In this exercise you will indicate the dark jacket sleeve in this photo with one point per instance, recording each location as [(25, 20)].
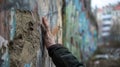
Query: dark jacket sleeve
[(62, 57)]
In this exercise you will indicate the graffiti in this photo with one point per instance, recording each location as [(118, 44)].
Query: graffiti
[(3, 42), (77, 37), (4, 31), (72, 37), (12, 24), (49, 9), (4, 57), (18, 4)]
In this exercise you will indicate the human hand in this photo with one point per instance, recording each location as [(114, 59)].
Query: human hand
[(48, 37)]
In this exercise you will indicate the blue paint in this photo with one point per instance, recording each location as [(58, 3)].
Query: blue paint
[(27, 65), (12, 24), (78, 5), (74, 8), (6, 59)]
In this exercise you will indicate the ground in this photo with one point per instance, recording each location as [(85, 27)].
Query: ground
[(111, 50)]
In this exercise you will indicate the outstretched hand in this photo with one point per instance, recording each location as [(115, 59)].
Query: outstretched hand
[(48, 37)]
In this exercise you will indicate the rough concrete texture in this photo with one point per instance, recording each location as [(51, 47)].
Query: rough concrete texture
[(25, 47), (27, 41)]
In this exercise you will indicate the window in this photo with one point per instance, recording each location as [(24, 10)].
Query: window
[(106, 19), (107, 25), (108, 12)]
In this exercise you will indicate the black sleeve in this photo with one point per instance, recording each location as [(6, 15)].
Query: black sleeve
[(62, 57)]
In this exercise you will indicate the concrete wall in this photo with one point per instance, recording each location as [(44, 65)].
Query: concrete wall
[(15, 17), (79, 35), (70, 25)]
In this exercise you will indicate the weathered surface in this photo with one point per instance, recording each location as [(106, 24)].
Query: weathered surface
[(79, 35), (27, 40)]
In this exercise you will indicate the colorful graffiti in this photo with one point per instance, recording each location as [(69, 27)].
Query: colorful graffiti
[(77, 35), (9, 22)]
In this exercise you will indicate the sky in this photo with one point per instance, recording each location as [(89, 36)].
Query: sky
[(101, 3)]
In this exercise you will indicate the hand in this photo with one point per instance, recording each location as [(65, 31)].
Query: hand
[(48, 37)]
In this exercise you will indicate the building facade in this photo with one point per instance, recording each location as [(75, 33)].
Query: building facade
[(107, 18)]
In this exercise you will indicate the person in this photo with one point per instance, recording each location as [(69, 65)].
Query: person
[(60, 55)]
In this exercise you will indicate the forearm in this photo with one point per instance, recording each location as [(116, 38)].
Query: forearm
[(62, 57)]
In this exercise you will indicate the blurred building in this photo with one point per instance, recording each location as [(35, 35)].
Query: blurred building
[(115, 32), (99, 19), (116, 11), (107, 18), (104, 18), (106, 22)]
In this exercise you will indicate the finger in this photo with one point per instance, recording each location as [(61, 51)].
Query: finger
[(45, 22)]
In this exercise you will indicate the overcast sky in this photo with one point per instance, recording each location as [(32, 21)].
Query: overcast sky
[(101, 3)]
